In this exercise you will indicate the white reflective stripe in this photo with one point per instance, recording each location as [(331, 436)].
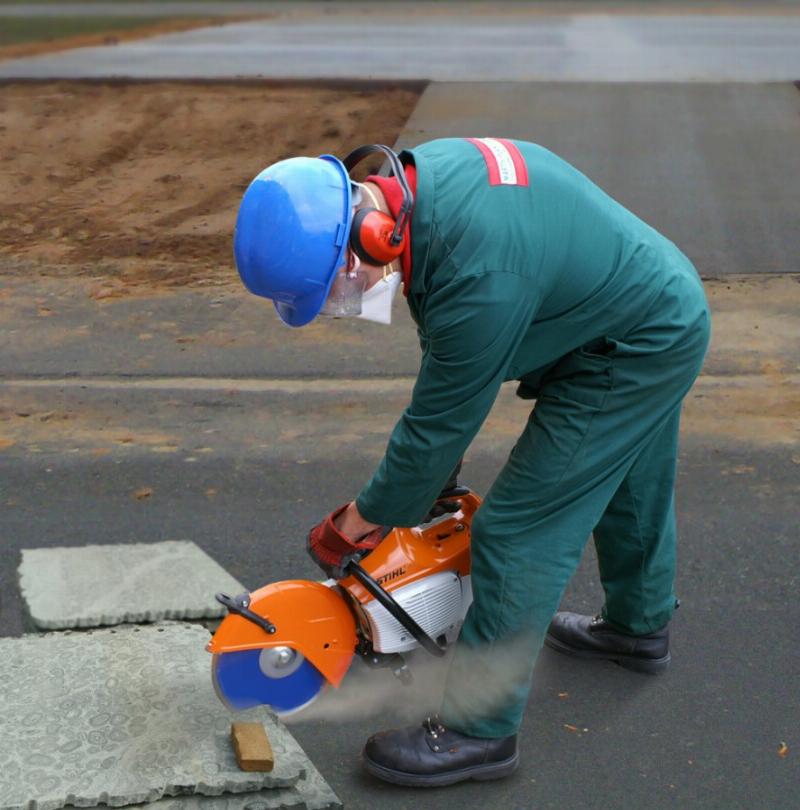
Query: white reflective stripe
[(505, 163)]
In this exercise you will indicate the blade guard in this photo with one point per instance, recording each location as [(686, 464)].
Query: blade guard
[(308, 616)]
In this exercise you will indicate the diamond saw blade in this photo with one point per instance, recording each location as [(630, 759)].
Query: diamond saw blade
[(279, 677)]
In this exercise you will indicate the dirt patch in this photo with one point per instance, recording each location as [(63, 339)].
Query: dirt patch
[(239, 418), (748, 410), (755, 324), (140, 183), (120, 30)]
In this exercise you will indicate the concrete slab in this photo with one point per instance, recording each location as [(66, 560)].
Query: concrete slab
[(715, 168), (311, 792), (94, 586), (454, 43), (120, 717)]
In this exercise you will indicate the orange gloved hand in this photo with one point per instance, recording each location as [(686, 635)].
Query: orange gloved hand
[(332, 551)]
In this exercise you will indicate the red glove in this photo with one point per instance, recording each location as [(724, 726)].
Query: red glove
[(332, 551)]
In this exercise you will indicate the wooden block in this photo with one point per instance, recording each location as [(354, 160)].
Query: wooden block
[(251, 744)]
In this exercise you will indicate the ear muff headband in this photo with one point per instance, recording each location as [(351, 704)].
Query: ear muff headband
[(376, 237)]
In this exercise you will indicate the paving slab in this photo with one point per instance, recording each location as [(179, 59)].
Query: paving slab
[(94, 586), (455, 43), (310, 792), (713, 167), (121, 717)]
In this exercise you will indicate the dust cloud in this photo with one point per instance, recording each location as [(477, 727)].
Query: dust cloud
[(487, 678)]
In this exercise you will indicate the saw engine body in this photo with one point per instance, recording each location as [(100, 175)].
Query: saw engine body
[(284, 643)]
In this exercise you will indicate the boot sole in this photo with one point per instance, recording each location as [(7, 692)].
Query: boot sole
[(648, 666), (477, 773)]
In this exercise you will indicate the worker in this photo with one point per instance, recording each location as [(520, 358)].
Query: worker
[(515, 266)]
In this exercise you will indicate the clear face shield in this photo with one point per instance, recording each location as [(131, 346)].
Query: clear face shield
[(347, 290), (349, 296)]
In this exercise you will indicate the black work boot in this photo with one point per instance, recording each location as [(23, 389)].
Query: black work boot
[(587, 637), (431, 755)]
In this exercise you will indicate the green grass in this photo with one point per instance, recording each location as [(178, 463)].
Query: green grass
[(14, 30)]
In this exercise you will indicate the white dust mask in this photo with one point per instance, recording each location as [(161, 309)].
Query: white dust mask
[(376, 302)]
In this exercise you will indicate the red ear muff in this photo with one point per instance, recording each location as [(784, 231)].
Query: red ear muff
[(371, 237), (375, 237)]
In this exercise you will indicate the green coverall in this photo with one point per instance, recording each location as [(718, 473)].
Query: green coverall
[(603, 321)]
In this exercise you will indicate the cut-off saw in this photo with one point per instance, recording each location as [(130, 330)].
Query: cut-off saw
[(285, 643)]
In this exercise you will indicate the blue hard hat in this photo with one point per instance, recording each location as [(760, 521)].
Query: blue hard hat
[(291, 234)]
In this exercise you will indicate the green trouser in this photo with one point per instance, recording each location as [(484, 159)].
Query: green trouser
[(598, 455)]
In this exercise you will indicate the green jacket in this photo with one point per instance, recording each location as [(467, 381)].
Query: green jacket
[(506, 280)]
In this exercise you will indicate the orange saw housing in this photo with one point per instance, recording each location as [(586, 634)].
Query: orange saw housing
[(406, 555), (322, 620)]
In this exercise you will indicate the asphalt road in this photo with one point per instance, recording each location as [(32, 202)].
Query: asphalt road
[(454, 43), (707, 165), (704, 735), (52, 329), (243, 467)]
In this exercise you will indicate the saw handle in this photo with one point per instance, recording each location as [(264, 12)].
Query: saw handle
[(241, 605), (395, 610)]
